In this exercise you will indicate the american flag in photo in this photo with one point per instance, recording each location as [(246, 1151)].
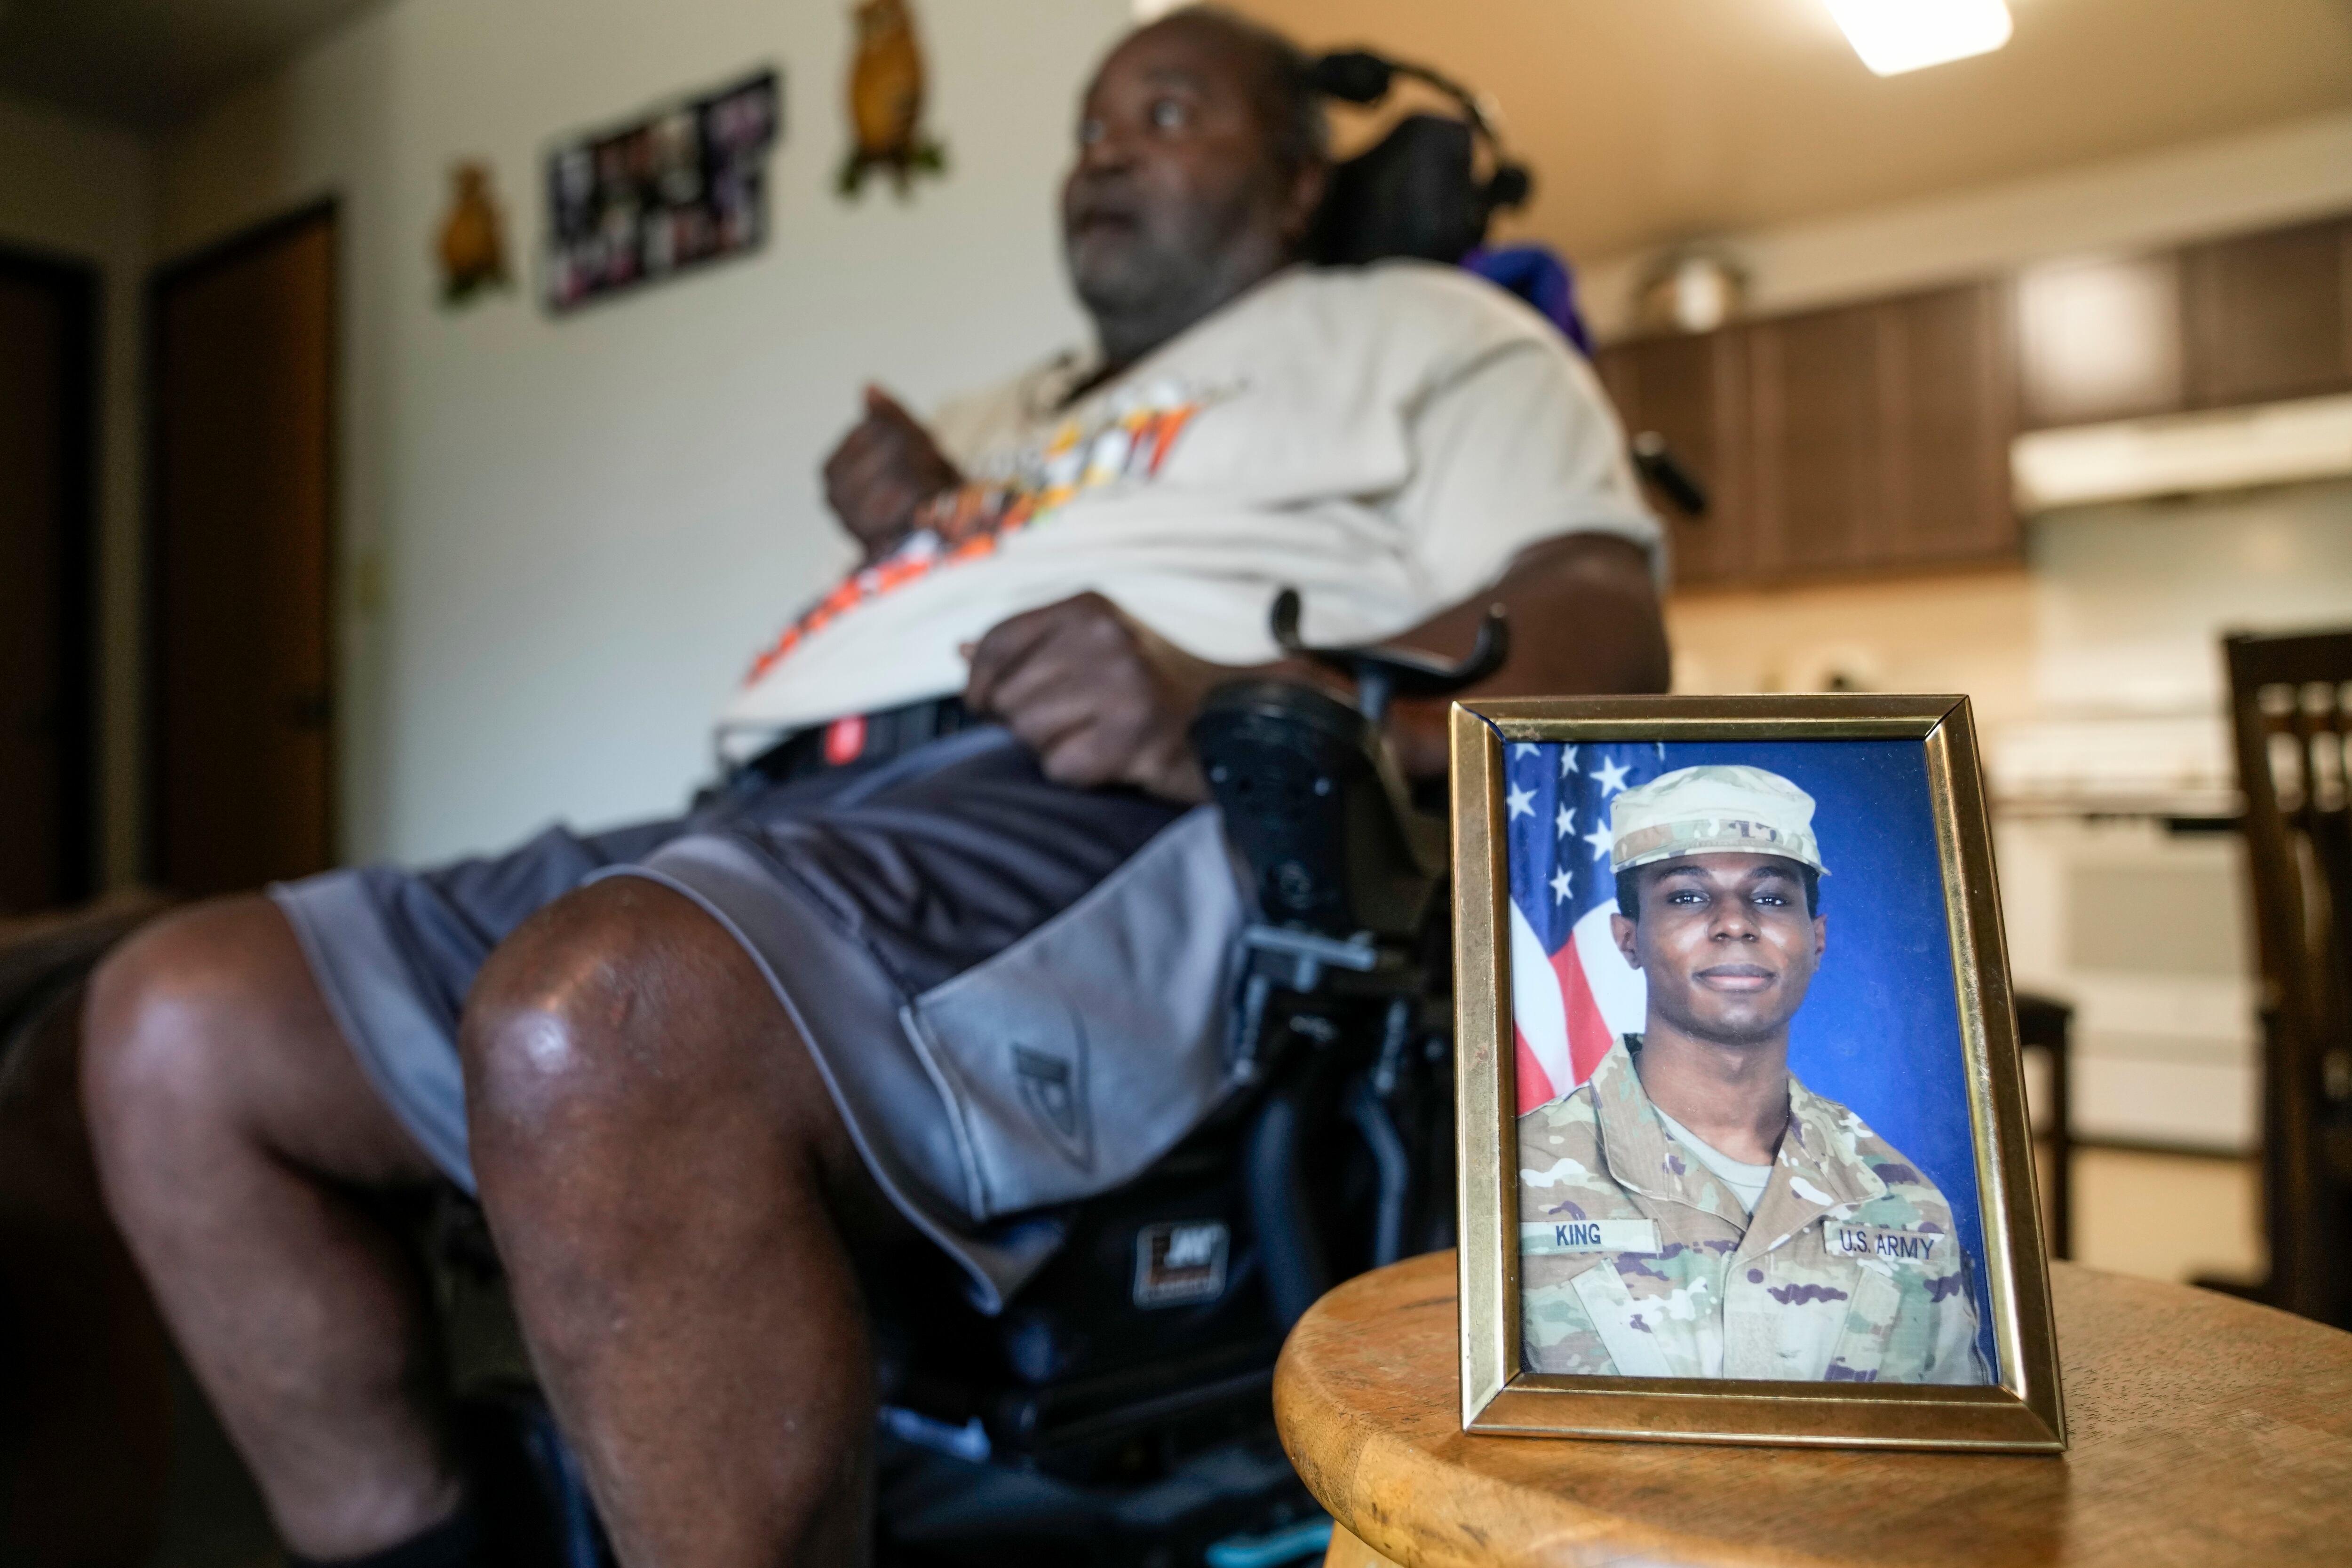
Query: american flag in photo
[(1572, 992)]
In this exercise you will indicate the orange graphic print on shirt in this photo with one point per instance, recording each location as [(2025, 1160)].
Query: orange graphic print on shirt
[(1129, 440)]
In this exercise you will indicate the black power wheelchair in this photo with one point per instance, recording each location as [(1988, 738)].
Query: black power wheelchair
[(1117, 1411)]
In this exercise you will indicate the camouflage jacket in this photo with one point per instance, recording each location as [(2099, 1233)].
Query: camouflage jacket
[(1635, 1260)]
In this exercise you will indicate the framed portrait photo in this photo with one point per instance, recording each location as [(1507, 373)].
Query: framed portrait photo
[(1744, 1147)]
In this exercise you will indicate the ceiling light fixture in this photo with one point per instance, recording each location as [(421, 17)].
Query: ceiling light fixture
[(1897, 36)]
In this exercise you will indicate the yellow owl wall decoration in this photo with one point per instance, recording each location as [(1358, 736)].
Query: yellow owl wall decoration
[(473, 251), (886, 102)]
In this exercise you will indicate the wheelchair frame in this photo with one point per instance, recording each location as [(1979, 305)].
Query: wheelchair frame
[(1119, 1410)]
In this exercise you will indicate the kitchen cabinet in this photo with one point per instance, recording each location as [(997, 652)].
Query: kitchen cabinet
[(1881, 436), (1946, 411), (1813, 386), (2251, 319), (2270, 315), (2100, 339), (1875, 437), (1691, 393), (1871, 437)]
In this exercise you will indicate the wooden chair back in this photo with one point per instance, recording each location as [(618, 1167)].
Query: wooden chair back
[(2045, 1025), (2291, 706)]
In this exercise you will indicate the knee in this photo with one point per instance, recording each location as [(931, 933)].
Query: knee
[(163, 1014), (560, 1029)]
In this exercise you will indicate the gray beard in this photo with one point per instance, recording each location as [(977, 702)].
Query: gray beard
[(1143, 299), (1142, 305)]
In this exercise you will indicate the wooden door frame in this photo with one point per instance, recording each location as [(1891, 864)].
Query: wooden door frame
[(224, 251), (75, 283)]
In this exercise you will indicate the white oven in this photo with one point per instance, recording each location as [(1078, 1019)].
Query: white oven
[(2134, 913)]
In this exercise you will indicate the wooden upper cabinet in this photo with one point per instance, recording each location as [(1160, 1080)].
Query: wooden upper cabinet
[(1690, 391), (2100, 339), (1881, 436), (1947, 413), (1876, 437), (2270, 315), (2252, 319), (1814, 463)]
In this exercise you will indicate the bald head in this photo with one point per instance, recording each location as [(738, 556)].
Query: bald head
[(1277, 75), (1199, 169)]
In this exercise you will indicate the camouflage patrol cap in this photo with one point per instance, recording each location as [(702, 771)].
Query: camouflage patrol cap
[(1716, 808)]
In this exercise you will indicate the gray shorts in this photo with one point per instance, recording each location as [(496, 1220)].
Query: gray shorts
[(1017, 992)]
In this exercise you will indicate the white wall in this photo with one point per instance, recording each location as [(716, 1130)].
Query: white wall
[(83, 192), (2275, 176), (563, 538)]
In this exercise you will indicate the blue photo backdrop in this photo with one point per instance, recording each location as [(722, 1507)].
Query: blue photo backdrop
[(1880, 1031)]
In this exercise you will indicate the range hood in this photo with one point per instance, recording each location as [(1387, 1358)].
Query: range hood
[(2223, 449)]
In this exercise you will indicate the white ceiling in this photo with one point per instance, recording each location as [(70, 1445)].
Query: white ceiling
[(147, 64), (1654, 122)]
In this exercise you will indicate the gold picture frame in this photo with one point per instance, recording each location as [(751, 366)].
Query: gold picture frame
[(2020, 1411)]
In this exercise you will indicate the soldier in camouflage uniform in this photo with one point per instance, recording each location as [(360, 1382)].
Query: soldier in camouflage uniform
[(1692, 1210)]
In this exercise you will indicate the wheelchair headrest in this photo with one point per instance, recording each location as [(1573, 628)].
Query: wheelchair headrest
[(1416, 191)]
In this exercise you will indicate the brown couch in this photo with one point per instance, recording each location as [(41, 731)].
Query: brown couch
[(85, 1401)]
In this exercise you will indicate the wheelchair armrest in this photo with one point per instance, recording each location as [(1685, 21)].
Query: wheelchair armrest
[(1315, 806)]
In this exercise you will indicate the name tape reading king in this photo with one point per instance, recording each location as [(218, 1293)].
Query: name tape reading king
[(1589, 1235), (1641, 1236)]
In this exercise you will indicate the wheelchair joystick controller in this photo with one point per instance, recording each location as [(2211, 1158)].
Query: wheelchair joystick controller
[(1344, 868)]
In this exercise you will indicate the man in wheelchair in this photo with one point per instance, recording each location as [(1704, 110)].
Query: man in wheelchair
[(955, 950)]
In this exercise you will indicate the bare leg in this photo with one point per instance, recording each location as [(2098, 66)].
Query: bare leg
[(232, 1126), (663, 1167)]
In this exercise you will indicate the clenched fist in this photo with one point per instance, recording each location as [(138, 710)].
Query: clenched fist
[(1100, 697), (879, 477)]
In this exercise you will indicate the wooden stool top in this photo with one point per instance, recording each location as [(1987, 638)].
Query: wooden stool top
[(2205, 1429)]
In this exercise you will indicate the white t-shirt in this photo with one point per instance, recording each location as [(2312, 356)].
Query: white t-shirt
[(1384, 439)]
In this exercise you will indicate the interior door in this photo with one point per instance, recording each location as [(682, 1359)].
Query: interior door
[(45, 345), (244, 474)]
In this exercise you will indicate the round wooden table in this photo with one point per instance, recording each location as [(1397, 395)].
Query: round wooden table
[(2205, 1430)]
